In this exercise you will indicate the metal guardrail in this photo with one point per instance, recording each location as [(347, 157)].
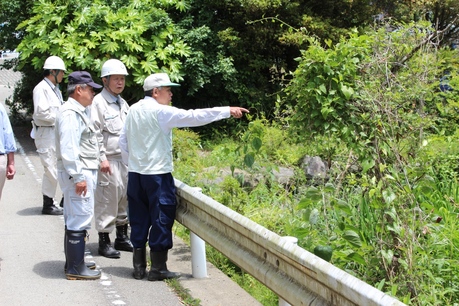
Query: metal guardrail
[(296, 275)]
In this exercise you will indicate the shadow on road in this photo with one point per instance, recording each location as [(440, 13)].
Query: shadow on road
[(30, 211), (23, 134), (183, 253), (123, 272), (50, 269)]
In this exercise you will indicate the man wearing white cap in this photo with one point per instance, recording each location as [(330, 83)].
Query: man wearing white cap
[(47, 98), (146, 145)]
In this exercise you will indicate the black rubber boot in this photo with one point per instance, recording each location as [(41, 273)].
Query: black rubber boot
[(139, 260), (90, 265), (122, 241), (76, 267), (49, 208), (105, 247), (158, 270)]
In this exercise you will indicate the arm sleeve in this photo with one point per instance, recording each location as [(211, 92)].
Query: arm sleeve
[(69, 141), (123, 143), (42, 107), (97, 119), (170, 117)]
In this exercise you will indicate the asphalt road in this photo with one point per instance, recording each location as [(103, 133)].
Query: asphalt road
[(32, 251)]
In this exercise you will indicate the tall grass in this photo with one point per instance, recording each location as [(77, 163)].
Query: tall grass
[(398, 234)]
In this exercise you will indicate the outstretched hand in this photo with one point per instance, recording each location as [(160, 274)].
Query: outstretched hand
[(237, 112)]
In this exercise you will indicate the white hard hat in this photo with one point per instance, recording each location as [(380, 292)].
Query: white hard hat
[(113, 66), (54, 62)]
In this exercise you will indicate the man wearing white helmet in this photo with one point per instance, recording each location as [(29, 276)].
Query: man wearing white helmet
[(109, 111), (47, 98)]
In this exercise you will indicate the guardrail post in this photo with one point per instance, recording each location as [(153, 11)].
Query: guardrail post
[(198, 256), (198, 253), (293, 240)]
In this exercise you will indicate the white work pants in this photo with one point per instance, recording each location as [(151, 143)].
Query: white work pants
[(110, 206), (78, 209), (46, 148)]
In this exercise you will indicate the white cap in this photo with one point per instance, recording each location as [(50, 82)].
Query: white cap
[(54, 62), (157, 80), (113, 66)]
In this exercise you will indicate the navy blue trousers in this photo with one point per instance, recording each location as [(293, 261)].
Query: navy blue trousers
[(152, 206)]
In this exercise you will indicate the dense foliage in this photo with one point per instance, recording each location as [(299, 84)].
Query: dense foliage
[(373, 105), (378, 103), (377, 97), (237, 52)]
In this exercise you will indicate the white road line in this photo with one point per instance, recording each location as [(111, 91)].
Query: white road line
[(110, 293), (27, 161)]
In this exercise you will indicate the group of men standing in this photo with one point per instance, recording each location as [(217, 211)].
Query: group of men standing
[(104, 153), (59, 130)]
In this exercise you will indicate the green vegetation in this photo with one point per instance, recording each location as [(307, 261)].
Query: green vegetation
[(183, 293), (372, 107), (324, 79)]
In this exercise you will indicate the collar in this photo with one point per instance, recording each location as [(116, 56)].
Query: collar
[(76, 104), (50, 83), (150, 98), (109, 97)]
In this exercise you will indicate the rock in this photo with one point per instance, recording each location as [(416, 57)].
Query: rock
[(314, 168)]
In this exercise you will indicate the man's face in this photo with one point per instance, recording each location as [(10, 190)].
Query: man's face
[(56, 76), (115, 83), (85, 95), (163, 95), (60, 76)]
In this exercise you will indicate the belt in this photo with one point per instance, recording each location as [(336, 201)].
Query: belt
[(43, 126)]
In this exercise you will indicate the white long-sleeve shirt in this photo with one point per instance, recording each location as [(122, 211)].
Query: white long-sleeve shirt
[(146, 140), (47, 98)]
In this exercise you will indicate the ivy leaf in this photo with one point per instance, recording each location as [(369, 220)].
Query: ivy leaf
[(367, 165), (129, 60), (322, 88), (388, 196), (313, 194), (89, 43), (149, 66), (347, 91), (249, 160), (256, 143), (307, 215), (356, 257), (109, 46), (343, 206), (304, 203), (314, 216), (352, 237), (324, 251), (388, 255)]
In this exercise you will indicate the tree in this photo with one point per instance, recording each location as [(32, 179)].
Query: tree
[(370, 92), (86, 33), (11, 14)]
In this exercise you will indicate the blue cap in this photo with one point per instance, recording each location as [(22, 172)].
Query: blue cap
[(82, 77)]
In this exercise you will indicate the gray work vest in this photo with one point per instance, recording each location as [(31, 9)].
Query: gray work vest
[(89, 148)]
